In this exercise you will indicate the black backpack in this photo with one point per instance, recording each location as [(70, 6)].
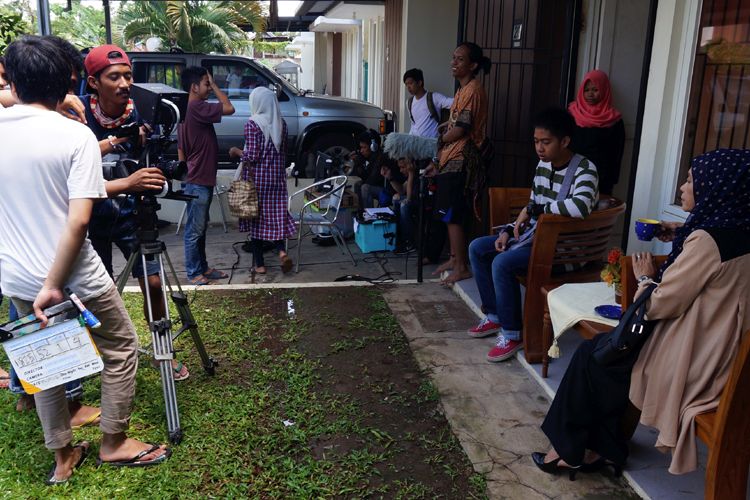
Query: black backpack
[(430, 106)]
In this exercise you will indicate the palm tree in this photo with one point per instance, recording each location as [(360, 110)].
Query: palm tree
[(191, 25)]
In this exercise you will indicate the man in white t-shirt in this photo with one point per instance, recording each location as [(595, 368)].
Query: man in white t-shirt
[(50, 176), (425, 108)]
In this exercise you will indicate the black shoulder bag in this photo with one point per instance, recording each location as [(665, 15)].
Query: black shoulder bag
[(629, 334)]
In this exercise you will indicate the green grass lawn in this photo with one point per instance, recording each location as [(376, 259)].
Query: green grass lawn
[(366, 423)]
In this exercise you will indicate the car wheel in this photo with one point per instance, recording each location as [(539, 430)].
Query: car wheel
[(336, 145)]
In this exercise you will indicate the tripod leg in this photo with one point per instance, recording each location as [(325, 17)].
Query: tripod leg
[(188, 323), (122, 279), (161, 338), (420, 230), (186, 316)]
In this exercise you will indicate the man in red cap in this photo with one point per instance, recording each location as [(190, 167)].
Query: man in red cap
[(108, 108)]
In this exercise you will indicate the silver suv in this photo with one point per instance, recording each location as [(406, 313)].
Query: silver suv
[(315, 122)]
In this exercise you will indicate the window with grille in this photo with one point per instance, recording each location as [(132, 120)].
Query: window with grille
[(719, 106)]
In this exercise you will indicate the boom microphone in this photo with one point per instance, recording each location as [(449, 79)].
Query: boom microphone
[(399, 145)]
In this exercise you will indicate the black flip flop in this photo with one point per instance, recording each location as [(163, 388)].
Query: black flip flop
[(51, 481), (136, 460)]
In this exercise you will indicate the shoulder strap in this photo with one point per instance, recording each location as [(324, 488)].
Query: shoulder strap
[(408, 105), (431, 106), (570, 174)]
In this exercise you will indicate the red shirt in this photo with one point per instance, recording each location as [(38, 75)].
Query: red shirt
[(196, 138)]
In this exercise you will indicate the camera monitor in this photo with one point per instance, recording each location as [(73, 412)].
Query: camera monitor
[(148, 99)]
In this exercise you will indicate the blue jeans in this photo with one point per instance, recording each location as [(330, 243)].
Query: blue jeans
[(403, 207), (495, 274), (195, 229), (73, 389), (369, 194)]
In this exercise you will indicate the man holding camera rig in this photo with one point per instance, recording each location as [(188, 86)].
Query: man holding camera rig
[(47, 191), (112, 117)]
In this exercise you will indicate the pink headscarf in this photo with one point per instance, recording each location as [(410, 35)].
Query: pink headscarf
[(601, 114)]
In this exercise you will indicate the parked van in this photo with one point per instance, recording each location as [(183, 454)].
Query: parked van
[(315, 122)]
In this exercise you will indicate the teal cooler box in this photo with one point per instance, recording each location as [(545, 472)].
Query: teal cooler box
[(375, 236)]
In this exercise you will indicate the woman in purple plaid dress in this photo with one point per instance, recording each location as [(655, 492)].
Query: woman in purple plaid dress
[(265, 153)]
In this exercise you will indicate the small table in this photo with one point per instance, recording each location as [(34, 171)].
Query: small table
[(572, 306)]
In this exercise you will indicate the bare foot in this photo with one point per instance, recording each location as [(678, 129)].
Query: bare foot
[(445, 266), (4, 379), (25, 403), (116, 447), (260, 270), (67, 458), (457, 275), (81, 415)]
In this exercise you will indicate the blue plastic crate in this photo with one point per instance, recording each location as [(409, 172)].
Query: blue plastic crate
[(375, 236)]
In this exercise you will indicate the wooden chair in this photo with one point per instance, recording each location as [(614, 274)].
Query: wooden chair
[(564, 241), (561, 241), (506, 204), (726, 432)]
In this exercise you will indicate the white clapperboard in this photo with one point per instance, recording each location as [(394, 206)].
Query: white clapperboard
[(48, 357)]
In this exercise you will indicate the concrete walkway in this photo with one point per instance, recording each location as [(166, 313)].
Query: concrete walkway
[(494, 409)]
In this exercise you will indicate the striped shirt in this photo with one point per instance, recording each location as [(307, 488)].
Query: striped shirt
[(583, 194)]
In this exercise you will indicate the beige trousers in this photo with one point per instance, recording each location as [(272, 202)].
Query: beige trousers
[(118, 344)]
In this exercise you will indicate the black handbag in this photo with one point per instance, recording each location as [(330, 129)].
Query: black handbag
[(629, 334)]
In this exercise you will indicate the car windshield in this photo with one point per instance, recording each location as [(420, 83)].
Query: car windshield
[(285, 81)]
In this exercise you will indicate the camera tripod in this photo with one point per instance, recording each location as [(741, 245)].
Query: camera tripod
[(162, 338)]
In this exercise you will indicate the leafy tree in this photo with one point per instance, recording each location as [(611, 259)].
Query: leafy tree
[(83, 25), (191, 25), (11, 27)]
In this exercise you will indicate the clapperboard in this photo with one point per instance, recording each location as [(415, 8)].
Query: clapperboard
[(52, 356)]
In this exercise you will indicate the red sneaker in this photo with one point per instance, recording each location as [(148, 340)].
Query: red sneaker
[(504, 349), (483, 329)]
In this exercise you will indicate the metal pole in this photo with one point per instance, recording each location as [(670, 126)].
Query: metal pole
[(42, 11), (107, 21)]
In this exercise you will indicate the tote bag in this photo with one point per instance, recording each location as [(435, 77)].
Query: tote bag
[(242, 195)]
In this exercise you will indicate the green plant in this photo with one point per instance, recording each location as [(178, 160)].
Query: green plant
[(11, 27), (82, 25), (191, 25)]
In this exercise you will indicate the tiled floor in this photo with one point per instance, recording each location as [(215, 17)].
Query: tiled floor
[(647, 467)]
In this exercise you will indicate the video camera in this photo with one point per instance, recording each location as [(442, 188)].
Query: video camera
[(163, 107)]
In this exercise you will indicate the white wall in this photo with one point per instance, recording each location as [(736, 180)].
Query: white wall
[(304, 45), (672, 58), (613, 41), (429, 35), (322, 66)]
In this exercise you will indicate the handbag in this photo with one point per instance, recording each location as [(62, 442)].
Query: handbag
[(629, 334), (242, 195)]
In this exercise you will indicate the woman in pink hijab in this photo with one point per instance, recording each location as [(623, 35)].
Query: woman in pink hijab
[(600, 132)]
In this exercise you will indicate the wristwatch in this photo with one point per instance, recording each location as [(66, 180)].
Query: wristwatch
[(534, 209), (645, 278)]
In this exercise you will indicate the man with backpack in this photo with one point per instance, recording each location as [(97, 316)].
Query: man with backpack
[(425, 108)]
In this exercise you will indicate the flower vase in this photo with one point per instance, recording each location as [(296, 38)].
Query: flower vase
[(618, 295)]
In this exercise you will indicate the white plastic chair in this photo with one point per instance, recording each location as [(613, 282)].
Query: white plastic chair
[(329, 204), (218, 192)]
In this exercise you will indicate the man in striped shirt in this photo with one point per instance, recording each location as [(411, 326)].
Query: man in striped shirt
[(565, 184)]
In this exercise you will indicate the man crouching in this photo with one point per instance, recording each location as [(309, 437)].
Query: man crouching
[(50, 176)]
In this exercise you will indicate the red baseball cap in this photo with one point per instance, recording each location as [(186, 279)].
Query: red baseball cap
[(104, 56)]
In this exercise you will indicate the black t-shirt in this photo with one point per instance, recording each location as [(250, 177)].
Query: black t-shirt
[(110, 212)]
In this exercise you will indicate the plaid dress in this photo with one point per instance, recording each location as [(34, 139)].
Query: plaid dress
[(269, 176)]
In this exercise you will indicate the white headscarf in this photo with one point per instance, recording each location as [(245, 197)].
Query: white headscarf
[(264, 109)]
